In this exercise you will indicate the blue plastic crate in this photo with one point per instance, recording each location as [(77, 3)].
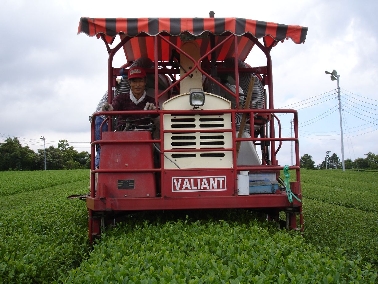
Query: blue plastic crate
[(262, 186)]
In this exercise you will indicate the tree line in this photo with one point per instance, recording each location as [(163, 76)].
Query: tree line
[(370, 162), (15, 157)]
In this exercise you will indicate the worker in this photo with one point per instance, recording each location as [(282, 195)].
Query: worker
[(99, 120), (136, 99), (122, 86)]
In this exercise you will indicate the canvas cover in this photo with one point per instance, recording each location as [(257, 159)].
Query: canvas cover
[(142, 32)]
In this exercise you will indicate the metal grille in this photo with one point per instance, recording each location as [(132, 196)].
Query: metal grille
[(197, 121), (196, 140), (205, 147)]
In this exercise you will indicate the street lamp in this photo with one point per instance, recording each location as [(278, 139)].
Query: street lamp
[(327, 158), (335, 76), (44, 148)]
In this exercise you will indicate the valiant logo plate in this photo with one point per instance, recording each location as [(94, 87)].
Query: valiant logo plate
[(200, 183)]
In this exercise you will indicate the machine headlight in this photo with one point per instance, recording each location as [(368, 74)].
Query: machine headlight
[(197, 98)]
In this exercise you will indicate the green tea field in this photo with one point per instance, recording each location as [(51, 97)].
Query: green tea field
[(44, 237)]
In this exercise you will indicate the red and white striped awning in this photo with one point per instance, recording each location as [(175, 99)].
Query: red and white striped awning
[(142, 31)]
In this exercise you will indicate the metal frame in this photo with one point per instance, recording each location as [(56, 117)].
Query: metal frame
[(103, 207)]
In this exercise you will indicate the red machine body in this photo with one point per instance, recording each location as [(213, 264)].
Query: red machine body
[(117, 156), (216, 135)]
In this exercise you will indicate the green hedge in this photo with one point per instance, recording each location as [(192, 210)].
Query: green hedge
[(210, 251), (351, 189), (44, 237), (13, 182), (43, 234)]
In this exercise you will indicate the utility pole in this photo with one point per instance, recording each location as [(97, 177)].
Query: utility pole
[(327, 159), (44, 148), (335, 76)]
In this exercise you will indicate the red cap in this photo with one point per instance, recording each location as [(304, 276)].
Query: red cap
[(136, 72)]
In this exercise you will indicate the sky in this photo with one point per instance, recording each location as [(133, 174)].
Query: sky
[(51, 78)]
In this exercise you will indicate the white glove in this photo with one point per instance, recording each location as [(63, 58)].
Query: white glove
[(106, 107), (150, 106)]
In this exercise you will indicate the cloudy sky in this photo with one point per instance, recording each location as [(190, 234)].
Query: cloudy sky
[(51, 78)]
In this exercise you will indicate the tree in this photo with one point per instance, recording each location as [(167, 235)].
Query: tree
[(334, 162), (372, 160), (322, 165), (65, 157), (15, 157), (71, 158), (68, 153), (361, 163), (307, 162), (54, 159), (349, 164), (84, 159)]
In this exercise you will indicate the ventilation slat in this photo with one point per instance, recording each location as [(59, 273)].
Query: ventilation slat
[(209, 143), (183, 125), (197, 147), (215, 155), (212, 137), (207, 125)]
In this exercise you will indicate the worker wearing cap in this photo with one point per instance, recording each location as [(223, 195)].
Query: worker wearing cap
[(136, 99)]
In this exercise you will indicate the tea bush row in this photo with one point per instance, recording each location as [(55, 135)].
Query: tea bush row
[(13, 182), (209, 251), (43, 234), (334, 226), (340, 210), (351, 189), (44, 240)]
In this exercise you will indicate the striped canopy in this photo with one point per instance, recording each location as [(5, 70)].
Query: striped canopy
[(175, 30)]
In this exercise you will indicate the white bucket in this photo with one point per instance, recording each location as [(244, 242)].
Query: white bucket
[(243, 184)]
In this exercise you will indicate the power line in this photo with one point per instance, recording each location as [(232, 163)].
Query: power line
[(359, 96), (359, 129), (363, 133), (354, 113), (310, 102), (313, 101), (319, 117), (361, 105), (349, 140), (368, 106)]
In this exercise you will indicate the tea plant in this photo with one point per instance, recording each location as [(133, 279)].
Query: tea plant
[(351, 189), (209, 251), (43, 234), (44, 237), (13, 182)]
